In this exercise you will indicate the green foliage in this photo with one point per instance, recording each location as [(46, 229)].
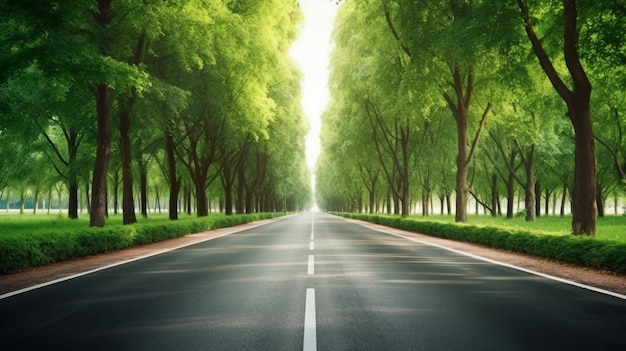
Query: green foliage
[(29, 243), (210, 73), (399, 55), (585, 251)]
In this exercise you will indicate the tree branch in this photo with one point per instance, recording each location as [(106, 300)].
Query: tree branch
[(404, 47), (542, 56), (481, 126)]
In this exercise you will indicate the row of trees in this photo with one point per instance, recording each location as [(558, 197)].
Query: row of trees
[(198, 96), (402, 68)]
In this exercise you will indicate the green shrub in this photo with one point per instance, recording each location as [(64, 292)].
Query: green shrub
[(29, 248)]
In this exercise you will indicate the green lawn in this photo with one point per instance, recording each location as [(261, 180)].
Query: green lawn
[(608, 228), (31, 240), (17, 224)]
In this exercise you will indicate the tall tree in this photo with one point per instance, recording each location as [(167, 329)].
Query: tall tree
[(577, 98), (448, 43), (56, 109)]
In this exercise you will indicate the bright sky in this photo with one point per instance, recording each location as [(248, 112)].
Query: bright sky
[(311, 51)]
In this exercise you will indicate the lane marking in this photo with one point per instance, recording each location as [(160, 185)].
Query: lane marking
[(310, 333), (312, 246), (312, 236), (503, 264), (311, 268), (312, 223)]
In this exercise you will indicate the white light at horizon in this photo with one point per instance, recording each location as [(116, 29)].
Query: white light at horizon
[(311, 52)]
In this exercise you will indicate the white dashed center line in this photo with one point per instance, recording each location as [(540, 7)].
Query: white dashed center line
[(311, 269), (310, 334)]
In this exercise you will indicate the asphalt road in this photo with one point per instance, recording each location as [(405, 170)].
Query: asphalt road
[(306, 282)]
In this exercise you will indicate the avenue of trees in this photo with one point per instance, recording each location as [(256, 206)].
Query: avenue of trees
[(193, 105), (448, 102)]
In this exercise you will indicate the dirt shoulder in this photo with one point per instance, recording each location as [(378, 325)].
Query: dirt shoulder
[(41, 275)]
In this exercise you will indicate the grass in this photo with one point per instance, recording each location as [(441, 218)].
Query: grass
[(612, 228), (23, 224), (33, 240), (28, 240)]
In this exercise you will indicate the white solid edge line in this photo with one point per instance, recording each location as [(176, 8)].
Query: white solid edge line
[(566, 281), (311, 266), (38, 286), (310, 338)]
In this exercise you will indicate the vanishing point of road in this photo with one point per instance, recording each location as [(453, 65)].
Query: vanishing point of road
[(311, 281)]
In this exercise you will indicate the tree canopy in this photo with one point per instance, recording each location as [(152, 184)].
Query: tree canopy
[(194, 88), (516, 78)]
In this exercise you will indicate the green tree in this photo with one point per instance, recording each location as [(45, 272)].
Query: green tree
[(449, 45), (55, 109), (577, 98)]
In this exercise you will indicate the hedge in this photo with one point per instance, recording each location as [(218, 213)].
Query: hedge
[(578, 250), (36, 249)]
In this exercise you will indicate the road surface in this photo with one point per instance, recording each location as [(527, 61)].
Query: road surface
[(312, 282)]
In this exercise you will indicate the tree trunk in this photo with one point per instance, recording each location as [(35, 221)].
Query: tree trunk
[(72, 206), (22, 200), (187, 200), (102, 92), (463, 86), (143, 189), (227, 177), (529, 185), (128, 211), (537, 198), (202, 202), (157, 200), (461, 188), (600, 201), (494, 195), (396, 205), (72, 178), (442, 202), (425, 198), (172, 176), (241, 184), (510, 183), (577, 99), (228, 197), (87, 200), (250, 203), (49, 203), (563, 198), (547, 201), (97, 214), (585, 174), (405, 134), (128, 201)]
